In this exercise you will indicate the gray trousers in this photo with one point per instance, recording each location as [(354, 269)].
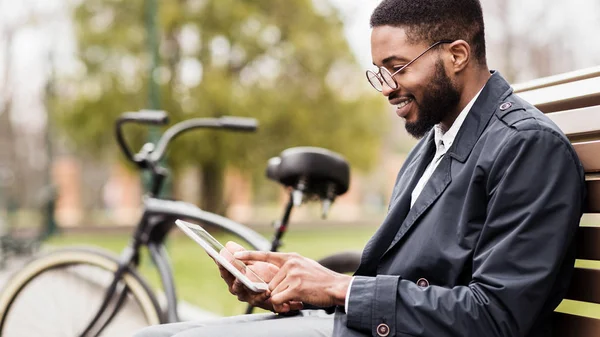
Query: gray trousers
[(309, 323)]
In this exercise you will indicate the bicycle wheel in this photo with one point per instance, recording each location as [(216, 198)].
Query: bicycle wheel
[(58, 294)]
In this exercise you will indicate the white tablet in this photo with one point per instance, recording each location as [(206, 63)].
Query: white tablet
[(217, 251)]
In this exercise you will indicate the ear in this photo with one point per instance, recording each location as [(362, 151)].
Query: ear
[(460, 53)]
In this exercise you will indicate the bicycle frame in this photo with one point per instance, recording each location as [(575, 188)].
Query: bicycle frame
[(156, 222)]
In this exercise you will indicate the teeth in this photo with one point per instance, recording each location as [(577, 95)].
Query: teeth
[(403, 104)]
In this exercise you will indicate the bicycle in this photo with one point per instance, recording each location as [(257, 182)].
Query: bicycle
[(121, 300)]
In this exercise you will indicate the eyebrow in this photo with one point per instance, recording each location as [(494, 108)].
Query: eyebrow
[(392, 58)]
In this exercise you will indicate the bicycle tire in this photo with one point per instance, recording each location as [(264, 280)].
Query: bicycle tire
[(63, 260), (342, 262)]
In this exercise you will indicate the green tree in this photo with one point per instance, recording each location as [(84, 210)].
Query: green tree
[(282, 62)]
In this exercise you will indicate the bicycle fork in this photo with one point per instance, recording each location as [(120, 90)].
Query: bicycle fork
[(103, 316)]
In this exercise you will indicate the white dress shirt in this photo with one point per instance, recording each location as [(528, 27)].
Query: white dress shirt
[(443, 141)]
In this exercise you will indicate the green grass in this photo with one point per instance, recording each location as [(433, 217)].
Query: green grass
[(197, 278)]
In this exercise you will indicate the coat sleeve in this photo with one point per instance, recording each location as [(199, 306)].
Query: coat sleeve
[(535, 191)]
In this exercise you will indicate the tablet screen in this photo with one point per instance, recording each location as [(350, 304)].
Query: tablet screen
[(223, 256)]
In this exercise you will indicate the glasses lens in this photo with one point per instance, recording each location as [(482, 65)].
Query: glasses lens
[(388, 79), (374, 80)]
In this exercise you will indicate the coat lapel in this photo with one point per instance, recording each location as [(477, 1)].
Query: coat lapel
[(405, 185), (409, 178), (399, 207), (435, 186)]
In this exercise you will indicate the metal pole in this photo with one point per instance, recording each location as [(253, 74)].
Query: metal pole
[(50, 195), (153, 88)]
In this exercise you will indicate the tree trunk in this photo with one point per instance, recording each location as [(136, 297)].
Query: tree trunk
[(15, 193), (212, 194)]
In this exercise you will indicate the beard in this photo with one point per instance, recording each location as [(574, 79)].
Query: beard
[(440, 98)]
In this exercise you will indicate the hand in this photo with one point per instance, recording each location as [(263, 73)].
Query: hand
[(300, 279), (264, 270)]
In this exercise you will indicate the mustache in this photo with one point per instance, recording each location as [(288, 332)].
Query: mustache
[(394, 95)]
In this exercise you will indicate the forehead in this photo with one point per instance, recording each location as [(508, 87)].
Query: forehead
[(388, 41)]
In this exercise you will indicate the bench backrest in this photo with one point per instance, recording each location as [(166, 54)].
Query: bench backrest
[(572, 101)]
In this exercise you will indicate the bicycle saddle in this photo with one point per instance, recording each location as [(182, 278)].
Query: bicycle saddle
[(315, 168)]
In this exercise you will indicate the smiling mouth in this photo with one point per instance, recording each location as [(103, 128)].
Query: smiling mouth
[(403, 107), (404, 103)]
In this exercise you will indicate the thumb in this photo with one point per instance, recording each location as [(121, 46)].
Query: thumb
[(234, 247)]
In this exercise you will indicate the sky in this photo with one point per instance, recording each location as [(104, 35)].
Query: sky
[(576, 19)]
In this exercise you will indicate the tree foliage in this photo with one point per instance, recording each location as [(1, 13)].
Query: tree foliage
[(282, 62)]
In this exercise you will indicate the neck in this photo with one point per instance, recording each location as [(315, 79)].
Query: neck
[(471, 87)]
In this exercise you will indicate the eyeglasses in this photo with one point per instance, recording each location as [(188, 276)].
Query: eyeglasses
[(386, 77)]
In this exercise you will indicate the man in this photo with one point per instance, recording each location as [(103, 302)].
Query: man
[(478, 237)]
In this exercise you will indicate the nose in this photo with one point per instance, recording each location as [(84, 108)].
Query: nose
[(386, 90)]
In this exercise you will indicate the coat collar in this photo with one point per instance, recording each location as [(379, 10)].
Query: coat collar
[(495, 90)]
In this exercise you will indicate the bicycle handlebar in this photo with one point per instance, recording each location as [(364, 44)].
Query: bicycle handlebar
[(155, 117), (238, 123), (226, 122)]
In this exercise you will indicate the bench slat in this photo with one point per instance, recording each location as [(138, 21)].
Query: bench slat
[(588, 243), (565, 96), (566, 325), (593, 195), (577, 124), (589, 155), (549, 81), (584, 286)]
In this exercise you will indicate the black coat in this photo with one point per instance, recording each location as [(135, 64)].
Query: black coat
[(487, 248)]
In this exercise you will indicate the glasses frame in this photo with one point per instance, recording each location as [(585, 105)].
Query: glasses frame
[(395, 85)]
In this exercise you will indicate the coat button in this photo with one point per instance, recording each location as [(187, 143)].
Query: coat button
[(383, 330), (505, 106), (423, 283)]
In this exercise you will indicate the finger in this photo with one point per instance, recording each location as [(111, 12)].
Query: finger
[(228, 256), (285, 296), (296, 305), (258, 299), (226, 275), (271, 269), (282, 287), (282, 308), (288, 306), (277, 280), (234, 247), (228, 278), (237, 286), (242, 298), (230, 248), (277, 259)]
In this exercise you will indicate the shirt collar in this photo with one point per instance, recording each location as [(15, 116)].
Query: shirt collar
[(448, 136)]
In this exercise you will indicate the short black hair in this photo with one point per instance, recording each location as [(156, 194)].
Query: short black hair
[(435, 20)]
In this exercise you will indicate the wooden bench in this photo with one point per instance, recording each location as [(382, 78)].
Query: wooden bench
[(572, 101)]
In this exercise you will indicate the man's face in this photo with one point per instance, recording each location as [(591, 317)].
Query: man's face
[(425, 94)]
